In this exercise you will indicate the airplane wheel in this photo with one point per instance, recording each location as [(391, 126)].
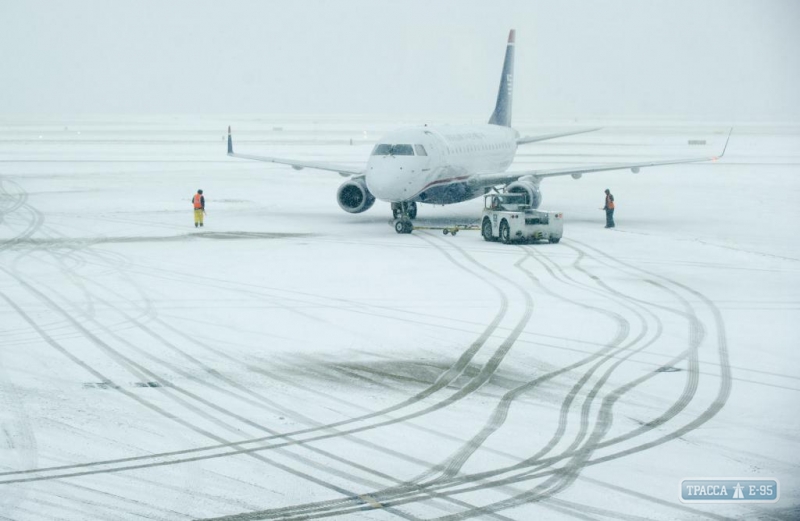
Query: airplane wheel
[(400, 227), (396, 211), (486, 230), (505, 232)]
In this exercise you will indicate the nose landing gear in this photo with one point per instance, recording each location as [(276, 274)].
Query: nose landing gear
[(411, 210), (403, 213), (403, 226)]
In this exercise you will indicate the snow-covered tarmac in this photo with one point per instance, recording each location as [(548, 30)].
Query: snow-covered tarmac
[(292, 361)]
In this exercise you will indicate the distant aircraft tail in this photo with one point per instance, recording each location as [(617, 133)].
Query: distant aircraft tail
[(502, 111)]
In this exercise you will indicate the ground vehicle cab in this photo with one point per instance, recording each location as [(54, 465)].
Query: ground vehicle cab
[(507, 217)]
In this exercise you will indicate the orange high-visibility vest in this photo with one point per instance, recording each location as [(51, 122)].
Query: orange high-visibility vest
[(197, 201), (609, 202)]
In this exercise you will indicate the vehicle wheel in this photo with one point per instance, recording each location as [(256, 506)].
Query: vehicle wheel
[(486, 230), (505, 232), (412, 210), (554, 240), (400, 227), (445, 232), (455, 232)]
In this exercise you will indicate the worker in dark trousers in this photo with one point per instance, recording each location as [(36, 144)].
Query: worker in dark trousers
[(609, 208), (199, 203)]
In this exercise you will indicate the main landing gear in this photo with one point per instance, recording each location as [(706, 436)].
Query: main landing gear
[(403, 213)]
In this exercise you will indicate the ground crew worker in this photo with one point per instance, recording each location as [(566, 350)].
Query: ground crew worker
[(609, 208), (199, 203)]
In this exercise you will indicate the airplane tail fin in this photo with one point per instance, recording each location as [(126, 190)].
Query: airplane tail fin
[(502, 110)]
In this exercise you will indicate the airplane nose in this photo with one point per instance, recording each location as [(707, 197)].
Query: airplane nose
[(386, 182)]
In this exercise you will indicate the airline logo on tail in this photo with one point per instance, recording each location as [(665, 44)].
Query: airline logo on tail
[(502, 110)]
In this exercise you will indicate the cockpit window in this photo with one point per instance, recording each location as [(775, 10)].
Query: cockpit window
[(383, 149), (402, 150), (420, 150)]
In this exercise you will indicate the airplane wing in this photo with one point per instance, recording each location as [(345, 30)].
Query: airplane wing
[(577, 171), (545, 137), (296, 164)]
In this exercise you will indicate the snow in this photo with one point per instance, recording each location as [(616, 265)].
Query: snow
[(311, 362)]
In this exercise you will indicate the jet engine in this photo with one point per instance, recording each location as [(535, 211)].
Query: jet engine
[(532, 194), (354, 197)]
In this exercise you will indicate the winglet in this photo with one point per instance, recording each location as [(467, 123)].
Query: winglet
[(726, 145), (230, 141)]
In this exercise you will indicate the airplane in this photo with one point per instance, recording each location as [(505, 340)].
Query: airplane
[(452, 163)]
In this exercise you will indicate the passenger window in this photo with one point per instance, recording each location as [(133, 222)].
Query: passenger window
[(420, 150)]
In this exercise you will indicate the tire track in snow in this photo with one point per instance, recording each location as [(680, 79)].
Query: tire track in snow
[(146, 373), (459, 459), (539, 494), (726, 383), (390, 493), (442, 382), (607, 404), (500, 413), (128, 361), (18, 436), (486, 375), (568, 474), (141, 401)]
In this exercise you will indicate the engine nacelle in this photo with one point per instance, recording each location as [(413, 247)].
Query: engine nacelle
[(532, 194), (354, 196)]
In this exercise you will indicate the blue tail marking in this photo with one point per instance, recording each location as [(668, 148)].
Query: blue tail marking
[(502, 110)]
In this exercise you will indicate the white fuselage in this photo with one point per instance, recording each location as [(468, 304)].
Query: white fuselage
[(433, 164)]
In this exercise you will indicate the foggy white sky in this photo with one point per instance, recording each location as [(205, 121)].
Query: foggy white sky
[(712, 60)]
